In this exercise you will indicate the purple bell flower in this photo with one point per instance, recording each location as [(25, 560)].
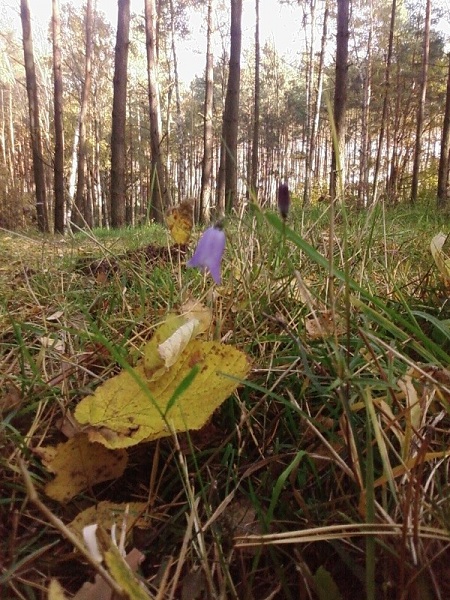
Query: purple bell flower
[(209, 252), (284, 200)]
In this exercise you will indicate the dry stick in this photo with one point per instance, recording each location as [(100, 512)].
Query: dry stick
[(71, 537)]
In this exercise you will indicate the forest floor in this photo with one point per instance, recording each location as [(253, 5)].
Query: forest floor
[(325, 472)]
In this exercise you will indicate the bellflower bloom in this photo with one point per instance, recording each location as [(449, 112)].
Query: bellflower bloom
[(284, 200), (209, 252)]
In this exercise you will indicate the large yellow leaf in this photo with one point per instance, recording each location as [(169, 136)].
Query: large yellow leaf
[(78, 465), (133, 407)]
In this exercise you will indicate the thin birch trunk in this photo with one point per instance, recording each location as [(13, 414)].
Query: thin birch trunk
[(58, 169), (421, 106)]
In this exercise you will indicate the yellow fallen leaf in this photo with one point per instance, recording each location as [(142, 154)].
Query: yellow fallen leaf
[(79, 464), (440, 257), (105, 514), (129, 408), (55, 591), (179, 221)]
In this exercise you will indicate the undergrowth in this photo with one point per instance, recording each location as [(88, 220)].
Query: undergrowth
[(324, 475)]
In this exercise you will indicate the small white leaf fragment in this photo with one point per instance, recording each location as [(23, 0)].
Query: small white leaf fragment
[(55, 316), (90, 539), (170, 350)]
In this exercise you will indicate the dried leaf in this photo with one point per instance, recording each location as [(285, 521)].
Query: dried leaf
[(322, 324), (55, 316), (153, 363), (11, 399), (193, 309), (170, 350), (441, 259), (105, 514), (194, 585), (79, 464), (179, 221), (54, 343)]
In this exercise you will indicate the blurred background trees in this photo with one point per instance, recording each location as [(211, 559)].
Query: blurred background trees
[(61, 167)]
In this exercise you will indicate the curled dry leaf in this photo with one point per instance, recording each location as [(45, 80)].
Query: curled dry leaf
[(441, 259), (170, 350)]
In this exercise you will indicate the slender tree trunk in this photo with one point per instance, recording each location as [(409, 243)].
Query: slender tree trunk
[(316, 112), (363, 187), (79, 212), (58, 169), (119, 116), (340, 100), (309, 68), (181, 179), (384, 112), (35, 127), (421, 106), (208, 133), (256, 106), (231, 110), (442, 195), (159, 191)]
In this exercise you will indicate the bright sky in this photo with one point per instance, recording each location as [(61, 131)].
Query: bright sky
[(279, 23)]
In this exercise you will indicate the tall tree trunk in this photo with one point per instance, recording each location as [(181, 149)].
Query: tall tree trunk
[(384, 112), (231, 110), (208, 133), (119, 115), (316, 111), (421, 106), (160, 194), (340, 100), (58, 169), (181, 178), (79, 212), (35, 127), (442, 194), (308, 68), (363, 186), (256, 112)]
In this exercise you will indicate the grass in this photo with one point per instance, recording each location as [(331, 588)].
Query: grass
[(324, 475)]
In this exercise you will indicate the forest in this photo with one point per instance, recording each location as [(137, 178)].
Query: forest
[(98, 129), (224, 300)]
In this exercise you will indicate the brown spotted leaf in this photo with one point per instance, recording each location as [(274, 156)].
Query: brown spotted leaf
[(78, 464)]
